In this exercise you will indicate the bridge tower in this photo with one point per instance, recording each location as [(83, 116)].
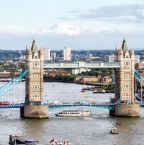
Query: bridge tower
[(125, 83), (34, 84)]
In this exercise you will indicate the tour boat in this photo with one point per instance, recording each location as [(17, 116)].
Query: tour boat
[(74, 113), (114, 131), (15, 140)]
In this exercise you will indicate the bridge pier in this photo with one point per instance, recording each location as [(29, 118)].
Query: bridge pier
[(34, 111), (126, 110)]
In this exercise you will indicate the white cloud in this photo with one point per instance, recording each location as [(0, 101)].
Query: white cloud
[(63, 29), (67, 29), (9, 29), (78, 34), (84, 29)]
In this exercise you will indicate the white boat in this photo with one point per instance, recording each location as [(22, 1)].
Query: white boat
[(74, 113)]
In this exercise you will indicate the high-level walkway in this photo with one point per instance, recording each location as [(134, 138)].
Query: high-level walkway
[(50, 65)]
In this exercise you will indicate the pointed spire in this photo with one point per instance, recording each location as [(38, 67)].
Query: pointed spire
[(124, 45), (34, 46)]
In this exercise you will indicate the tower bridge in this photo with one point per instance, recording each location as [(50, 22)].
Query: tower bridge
[(123, 104)]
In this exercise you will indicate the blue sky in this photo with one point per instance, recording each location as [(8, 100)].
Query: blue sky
[(79, 24)]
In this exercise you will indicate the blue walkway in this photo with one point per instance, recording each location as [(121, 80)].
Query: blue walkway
[(12, 106), (106, 105), (109, 106)]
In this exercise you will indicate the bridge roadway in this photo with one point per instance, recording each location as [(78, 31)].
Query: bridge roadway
[(80, 64), (105, 105), (12, 106)]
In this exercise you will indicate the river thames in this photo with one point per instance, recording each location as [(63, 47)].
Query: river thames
[(78, 131)]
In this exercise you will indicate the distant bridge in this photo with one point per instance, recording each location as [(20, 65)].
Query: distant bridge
[(74, 65)]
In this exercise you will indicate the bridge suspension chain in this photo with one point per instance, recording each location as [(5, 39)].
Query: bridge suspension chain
[(12, 83)]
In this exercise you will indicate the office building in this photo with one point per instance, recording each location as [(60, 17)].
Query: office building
[(67, 54)]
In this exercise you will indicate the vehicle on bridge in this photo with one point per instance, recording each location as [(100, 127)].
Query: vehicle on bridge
[(4, 103)]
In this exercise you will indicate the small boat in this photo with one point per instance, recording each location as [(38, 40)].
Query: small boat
[(99, 91), (114, 131), (74, 113), (138, 98), (85, 95), (16, 140), (95, 91), (54, 142), (82, 90)]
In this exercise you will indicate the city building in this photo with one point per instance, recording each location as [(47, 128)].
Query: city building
[(21, 55), (53, 55), (107, 79), (140, 65), (79, 70), (67, 54), (110, 58), (137, 58), (86, 79), (47, 54)]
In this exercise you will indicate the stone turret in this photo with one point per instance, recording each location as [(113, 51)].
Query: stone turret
[(34, 84), (126, 73), (125, 83)]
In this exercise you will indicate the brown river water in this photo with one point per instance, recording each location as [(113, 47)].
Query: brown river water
[(78, 131)]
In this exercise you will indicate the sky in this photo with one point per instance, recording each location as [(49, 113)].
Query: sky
[(79, 24)]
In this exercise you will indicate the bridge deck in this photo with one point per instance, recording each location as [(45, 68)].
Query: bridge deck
[(105, 105), (52, 106)]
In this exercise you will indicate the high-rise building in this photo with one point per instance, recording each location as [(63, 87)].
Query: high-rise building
[(53, 55), (110, 58), (67, 54), (47, 54), (137, 58)]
